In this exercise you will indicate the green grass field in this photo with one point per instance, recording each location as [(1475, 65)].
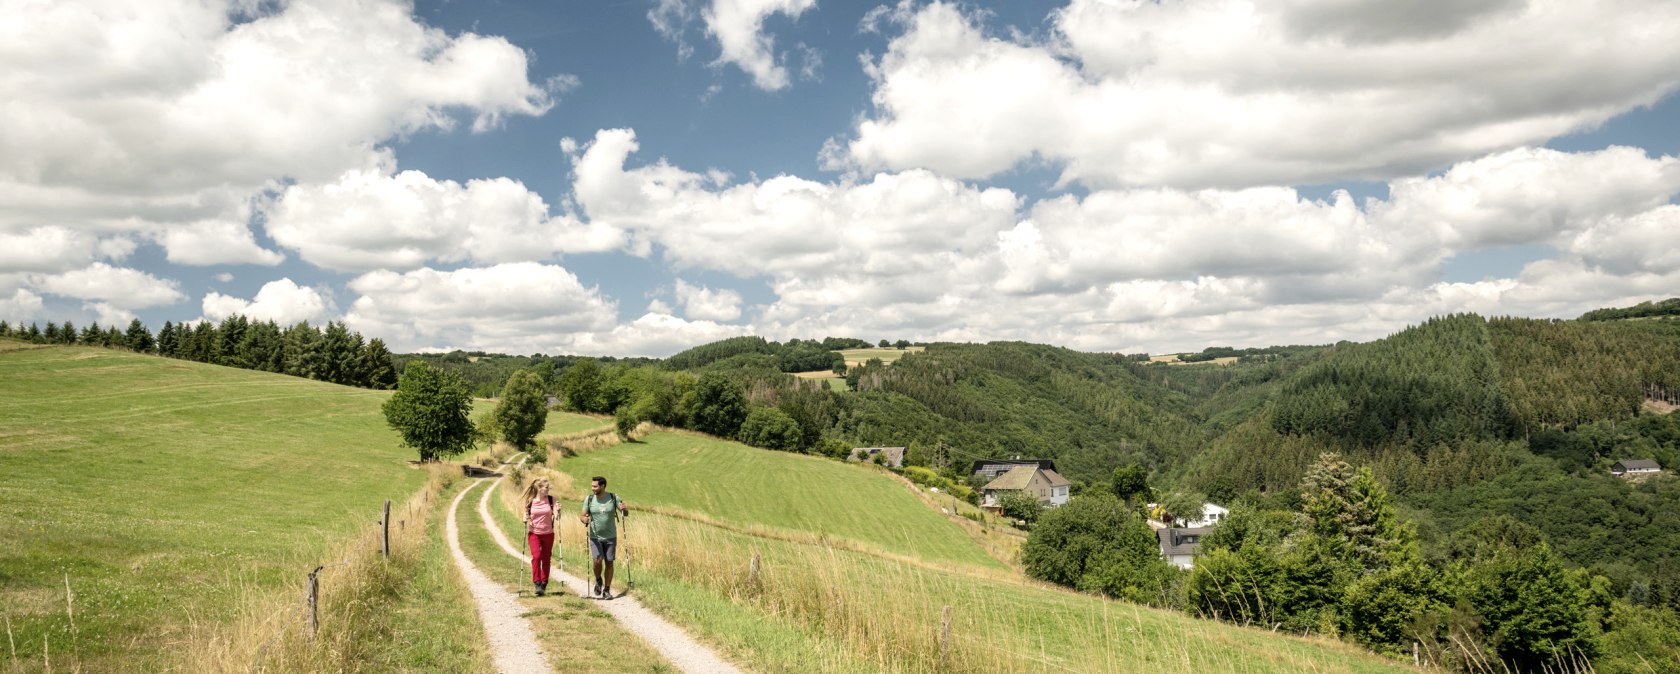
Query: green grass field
[(567, 423), (171, 494), (885, 610), (888, 355), (737, 484)]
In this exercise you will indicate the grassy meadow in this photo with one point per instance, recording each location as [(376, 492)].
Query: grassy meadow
[(791, 495), (879, 606), (566, 423), (170, 496), (887, 355), (835, 382)]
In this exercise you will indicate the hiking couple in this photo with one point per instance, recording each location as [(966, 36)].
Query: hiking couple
[(601, 510)]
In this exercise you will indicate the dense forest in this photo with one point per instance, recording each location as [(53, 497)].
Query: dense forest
[(1387, 491)]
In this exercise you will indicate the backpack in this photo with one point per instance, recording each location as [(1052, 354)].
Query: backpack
[(591, 499)]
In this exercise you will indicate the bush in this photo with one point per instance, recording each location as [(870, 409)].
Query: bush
[(1095, 543), (770, 428), (1020, 506), (625, 422)]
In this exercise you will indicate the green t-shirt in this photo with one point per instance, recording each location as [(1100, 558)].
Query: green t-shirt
[(602, 524)]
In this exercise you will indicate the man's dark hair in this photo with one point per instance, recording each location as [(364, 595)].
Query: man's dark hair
[(599, 479)]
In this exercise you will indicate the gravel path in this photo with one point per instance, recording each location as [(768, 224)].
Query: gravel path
[(513, 645), (682, 650)]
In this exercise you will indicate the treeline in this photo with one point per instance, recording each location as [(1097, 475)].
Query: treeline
[(756, 352), (1337, 558), (486, 374), (1668, 307), (1250, 355), (336, 354)]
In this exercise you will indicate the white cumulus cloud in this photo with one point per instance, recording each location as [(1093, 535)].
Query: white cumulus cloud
[(1238, 93), (520, 307), (166, 119), (282, 301), (118, 288), (377, 219), (738, 27), (702, 303)]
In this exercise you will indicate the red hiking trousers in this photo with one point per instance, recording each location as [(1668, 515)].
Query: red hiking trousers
[(542, 548)]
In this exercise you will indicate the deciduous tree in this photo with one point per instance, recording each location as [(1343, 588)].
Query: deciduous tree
[(431, 411)]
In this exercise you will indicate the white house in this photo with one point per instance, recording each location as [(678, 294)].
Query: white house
[(1635, 467), (1212, 514)]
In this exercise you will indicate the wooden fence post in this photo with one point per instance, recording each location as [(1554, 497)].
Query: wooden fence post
[(752, 572), (945, 635), (385, 526), (314, 594)]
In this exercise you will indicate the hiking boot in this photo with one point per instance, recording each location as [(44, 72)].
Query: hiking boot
[(540, 588), (599, 592)]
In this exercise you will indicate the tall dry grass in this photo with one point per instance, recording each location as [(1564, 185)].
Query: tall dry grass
[(888, 610), (581, 442), (355, 585)]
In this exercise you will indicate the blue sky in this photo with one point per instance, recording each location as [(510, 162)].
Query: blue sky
[(632, 178)]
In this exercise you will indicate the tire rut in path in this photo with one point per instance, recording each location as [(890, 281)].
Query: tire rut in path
[(513, 644), (670, 641)]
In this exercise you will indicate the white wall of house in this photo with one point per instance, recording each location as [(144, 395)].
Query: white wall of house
[(1058, 496), (1181, 561), (1212, 514)]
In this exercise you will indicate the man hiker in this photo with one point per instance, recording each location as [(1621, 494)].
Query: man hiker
[(599, 510)]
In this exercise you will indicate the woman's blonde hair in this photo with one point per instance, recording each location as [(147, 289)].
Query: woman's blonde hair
[(531, 490)]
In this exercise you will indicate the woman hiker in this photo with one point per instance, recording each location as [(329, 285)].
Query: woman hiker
[(599, 516), (539, 531)]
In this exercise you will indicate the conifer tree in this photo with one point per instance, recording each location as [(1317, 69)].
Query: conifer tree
[(380, 373), (138, 337)]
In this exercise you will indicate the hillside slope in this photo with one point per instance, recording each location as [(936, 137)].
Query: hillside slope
[(170, 493), (716, 506)]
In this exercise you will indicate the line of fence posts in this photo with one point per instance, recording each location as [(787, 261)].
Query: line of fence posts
[(313, 598)]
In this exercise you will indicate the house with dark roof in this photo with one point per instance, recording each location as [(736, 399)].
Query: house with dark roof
[(1049, 487), (893, 456), (991, 469), (1635, 467), (1180, 546)]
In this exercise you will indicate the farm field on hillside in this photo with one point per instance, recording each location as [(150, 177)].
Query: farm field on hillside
[(743, 485), (888, 355), (834, 381), (171, 494)]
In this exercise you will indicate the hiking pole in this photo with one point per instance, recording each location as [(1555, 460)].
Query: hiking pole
[(629, 578)]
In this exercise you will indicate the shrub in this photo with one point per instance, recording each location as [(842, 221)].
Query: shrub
[(772, 428)]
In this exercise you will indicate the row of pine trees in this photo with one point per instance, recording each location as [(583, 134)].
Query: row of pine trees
[(336, 354)]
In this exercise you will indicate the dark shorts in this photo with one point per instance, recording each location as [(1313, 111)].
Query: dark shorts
[(603, 548)]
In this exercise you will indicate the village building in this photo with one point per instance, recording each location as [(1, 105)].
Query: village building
[(893, 456), (1180, 545), (1635, 467), (1046, 485), (991, 469), (1212, 514)]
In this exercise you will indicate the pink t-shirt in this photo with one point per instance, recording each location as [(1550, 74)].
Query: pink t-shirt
[(542, 516)]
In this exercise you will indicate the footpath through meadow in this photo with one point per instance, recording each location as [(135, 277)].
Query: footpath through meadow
[(513, 644), (675, 645)]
